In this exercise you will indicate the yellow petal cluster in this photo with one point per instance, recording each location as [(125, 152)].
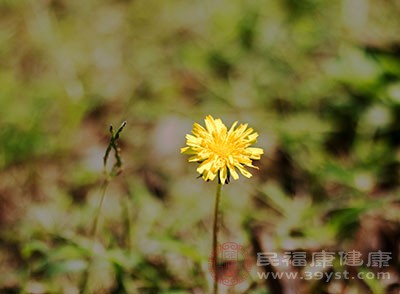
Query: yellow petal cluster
[(219, 151)]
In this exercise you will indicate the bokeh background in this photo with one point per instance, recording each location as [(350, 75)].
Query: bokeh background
[(318, 80)]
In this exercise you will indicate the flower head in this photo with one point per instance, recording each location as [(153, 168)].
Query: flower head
[(219, 151)]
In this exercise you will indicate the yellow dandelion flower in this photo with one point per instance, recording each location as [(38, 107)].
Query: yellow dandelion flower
[(219, 151)]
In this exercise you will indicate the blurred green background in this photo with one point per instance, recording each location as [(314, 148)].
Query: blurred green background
[(318, 80)]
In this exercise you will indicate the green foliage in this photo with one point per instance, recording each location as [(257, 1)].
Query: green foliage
[(318, 80)]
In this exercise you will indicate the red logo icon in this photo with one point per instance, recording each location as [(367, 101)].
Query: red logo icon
[(232, 264)]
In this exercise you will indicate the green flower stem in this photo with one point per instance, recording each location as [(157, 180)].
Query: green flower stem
[(86, 277), (215, 238), (115, 171), (98, 212), (126, 216)]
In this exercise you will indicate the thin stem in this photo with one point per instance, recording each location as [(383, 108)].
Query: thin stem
[(85, 280), (98, 211), (115, 171), (126, 218), (215, 238)]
